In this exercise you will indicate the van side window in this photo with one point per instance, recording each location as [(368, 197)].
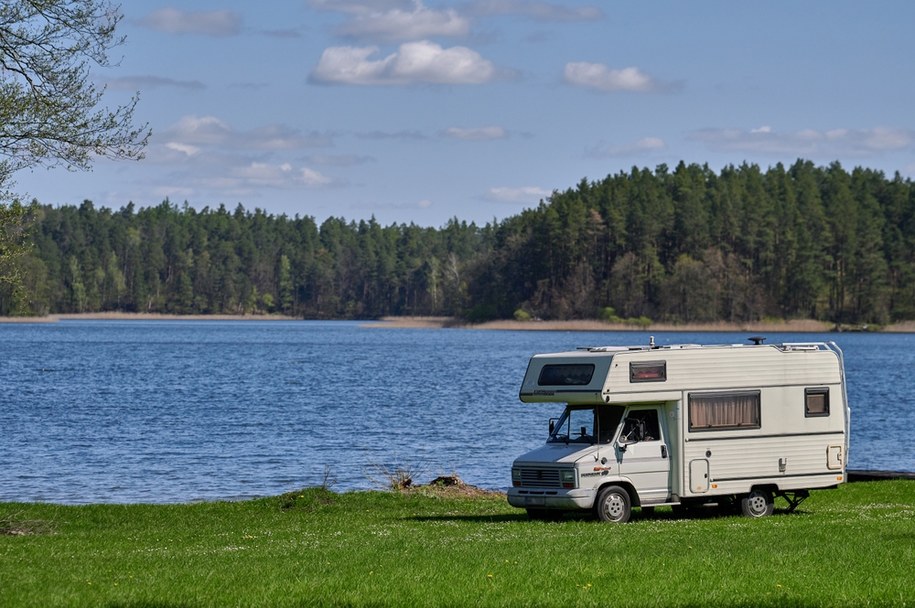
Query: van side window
[(608, 419), (648, 371), (721, 411), (566, 374), (641, 425), (816, 402)]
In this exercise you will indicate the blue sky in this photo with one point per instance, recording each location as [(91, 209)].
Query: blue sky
[(427, 110)]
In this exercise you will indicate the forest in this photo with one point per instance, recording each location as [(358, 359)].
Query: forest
[(681, 245)]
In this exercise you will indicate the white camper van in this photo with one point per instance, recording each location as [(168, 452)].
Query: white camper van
[(684, 425)]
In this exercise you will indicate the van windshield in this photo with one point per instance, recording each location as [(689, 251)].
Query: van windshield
[(586, 425)]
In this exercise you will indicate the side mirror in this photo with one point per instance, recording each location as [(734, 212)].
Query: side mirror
[(552, 425)]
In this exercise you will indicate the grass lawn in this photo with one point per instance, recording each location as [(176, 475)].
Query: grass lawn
[(854, 546)]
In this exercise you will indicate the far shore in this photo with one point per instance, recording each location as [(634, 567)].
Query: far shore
[(794, 326), (425, 322), (142, 316)]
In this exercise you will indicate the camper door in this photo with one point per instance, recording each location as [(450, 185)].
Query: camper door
[(643, 453)]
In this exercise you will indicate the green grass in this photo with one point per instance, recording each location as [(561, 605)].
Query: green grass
[(854, 546)]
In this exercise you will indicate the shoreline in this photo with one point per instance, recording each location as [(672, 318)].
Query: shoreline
[(795, 326), (431, 322), (141, 316)]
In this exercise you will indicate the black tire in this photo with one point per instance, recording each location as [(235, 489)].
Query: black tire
[(758, 503), (613, 505)]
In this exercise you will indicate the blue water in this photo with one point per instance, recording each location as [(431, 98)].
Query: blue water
[(177, 411)]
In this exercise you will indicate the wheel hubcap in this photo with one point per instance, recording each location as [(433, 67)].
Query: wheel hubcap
[(614, 506)]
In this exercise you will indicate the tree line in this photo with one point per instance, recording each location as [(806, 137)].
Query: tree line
[(681, 245)]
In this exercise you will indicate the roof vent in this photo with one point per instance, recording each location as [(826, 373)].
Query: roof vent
[(757, 340)]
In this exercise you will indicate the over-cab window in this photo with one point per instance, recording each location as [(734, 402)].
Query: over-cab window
[(722, 411), (648, 371), (566, 374), (816, 402)]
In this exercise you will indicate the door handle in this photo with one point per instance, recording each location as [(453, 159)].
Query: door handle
[(663, 451)]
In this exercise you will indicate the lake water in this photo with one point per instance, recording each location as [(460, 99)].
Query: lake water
[(177, 411)]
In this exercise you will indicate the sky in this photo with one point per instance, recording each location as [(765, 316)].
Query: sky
[(423, 111)]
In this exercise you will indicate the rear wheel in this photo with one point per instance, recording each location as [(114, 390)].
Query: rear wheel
[(613, 505), (758, 503)]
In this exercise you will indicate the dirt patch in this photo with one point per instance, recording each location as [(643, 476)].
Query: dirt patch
[(594, 325), (451, 486), (306, 499), (798, 325), (411, 323), (13, 526)]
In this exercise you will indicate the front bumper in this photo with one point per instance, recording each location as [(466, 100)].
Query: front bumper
[(536, 498)]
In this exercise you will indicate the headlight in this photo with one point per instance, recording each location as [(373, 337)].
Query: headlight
[(567, 476), (516, 477)]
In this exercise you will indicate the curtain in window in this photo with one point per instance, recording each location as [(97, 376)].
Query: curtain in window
[(732, 410)]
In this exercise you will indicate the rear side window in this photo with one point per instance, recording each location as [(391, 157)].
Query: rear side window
[(816, 402), (723, 411), (648, 371), (566, 374)]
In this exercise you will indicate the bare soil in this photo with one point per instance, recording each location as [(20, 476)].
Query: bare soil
[(420, 322), (451, 486), (798, 325)]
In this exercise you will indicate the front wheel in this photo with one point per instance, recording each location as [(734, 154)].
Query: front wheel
[(613, 505), (758, 503)]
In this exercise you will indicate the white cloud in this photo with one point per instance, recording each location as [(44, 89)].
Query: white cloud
[(888, 139), (200, 130), (416, 23), (828, 144), (397, 20), (282, 175), (210, 23), (310, 177), (205, 156), (262, 173), (414, 62), (539, 11), (212, 131), (650, 143), (599, 76), (523, 194), (641, 147), (186, 149), (477, 133)]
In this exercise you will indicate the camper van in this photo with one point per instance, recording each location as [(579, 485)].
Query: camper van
[(684, 425)]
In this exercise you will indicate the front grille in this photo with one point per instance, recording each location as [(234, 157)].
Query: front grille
[(540, 478)]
